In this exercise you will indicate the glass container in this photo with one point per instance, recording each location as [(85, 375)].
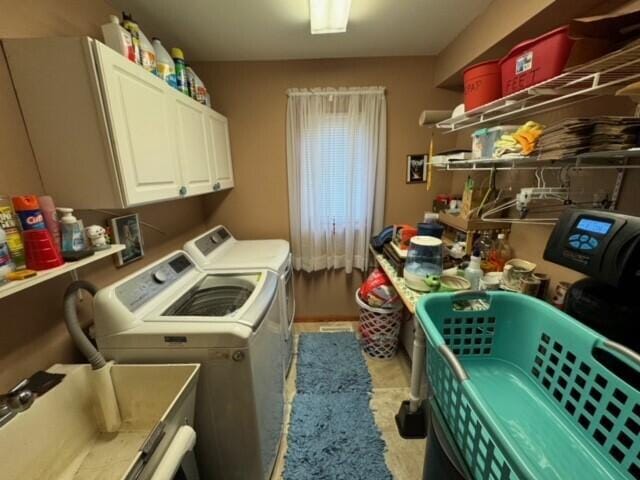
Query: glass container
[(424, 259)]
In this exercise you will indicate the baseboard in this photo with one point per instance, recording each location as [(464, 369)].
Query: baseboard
[(326, 318)]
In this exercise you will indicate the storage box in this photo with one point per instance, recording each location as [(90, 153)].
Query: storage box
[(481, 84), (483, 140), (536, 60)]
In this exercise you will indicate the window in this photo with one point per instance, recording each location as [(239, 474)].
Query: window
[(340, 195), (336, 156)]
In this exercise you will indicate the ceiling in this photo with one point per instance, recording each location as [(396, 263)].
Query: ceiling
[(279, 29)]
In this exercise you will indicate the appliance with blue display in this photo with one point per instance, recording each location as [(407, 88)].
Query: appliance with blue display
[(605, 246)]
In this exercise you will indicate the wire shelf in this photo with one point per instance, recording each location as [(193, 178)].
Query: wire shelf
[(614, 160), (596, 78)]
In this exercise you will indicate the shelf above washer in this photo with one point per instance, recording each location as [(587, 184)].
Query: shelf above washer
[(42, 276)]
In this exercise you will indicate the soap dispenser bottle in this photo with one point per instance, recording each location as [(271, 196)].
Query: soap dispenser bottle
[(71, 230)]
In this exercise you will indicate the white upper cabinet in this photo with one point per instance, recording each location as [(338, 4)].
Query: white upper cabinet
[(196, 153), (108, 134), (218, 129), (142, 121)]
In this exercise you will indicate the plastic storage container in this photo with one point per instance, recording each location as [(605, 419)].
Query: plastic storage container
[(484, 139), (424, 258), (379, 328), (536, 60), (481, 84), (524, 392)]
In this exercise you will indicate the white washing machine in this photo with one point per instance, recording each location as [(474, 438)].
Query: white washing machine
[(218, 249), (172, 311)]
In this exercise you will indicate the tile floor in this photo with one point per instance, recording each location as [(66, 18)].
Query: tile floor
[(391, 380)]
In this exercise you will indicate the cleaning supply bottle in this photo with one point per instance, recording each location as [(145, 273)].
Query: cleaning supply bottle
[(6, 264), (132, 27), (9, 223), (72, 232), (50, 216), (118, 38), (181, 70), (201, 90), (147, 53), (40, 250), (191, 82), (165, 66), (473, 272), (501, 252)]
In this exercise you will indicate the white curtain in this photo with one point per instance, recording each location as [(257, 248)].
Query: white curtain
[(336, 163)]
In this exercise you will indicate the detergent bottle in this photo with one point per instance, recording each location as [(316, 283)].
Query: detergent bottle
[(165, 67)]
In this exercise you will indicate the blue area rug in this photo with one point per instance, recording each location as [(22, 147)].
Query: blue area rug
[(332, 434)]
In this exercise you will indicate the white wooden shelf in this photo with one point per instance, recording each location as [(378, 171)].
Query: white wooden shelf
[(602, 76), (43, 275)]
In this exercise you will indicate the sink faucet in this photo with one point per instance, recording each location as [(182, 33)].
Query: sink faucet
[(18, 399)]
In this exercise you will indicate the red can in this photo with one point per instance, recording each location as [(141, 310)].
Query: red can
[(481, 84), (536, 60)]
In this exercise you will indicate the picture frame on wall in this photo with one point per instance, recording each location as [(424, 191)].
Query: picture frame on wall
[(126, 230), (417, 168)]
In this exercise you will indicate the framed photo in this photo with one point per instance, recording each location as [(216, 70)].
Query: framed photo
[(126, 230), (417, 168)]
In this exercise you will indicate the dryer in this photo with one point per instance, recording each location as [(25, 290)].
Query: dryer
[(218, 249), (230, 322)]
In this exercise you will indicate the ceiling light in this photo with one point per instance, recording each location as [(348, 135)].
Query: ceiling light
[(329, 16)]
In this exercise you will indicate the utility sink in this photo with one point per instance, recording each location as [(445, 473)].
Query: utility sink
[(61, 437)]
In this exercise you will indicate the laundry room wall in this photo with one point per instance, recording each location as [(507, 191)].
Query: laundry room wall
[(33, 333), (253, 96)]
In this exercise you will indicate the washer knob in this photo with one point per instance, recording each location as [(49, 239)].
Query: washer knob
[(160, 276)]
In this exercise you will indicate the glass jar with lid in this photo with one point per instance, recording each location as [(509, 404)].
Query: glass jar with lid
[(424, 259)]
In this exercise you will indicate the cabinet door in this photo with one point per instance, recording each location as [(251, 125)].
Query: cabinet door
[(140, 111), (219, 136), (196, 151)]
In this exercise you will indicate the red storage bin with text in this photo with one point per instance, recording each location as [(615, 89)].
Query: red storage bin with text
[(536, 60)]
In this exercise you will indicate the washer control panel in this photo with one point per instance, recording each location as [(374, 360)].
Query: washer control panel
[(152, 281), (212, 240)]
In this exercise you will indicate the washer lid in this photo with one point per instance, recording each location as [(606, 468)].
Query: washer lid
[(223, 298), (214, 296), (270, 254), (218, 249)]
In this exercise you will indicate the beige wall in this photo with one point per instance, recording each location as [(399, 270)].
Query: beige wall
[(252, 95), (33, 333)]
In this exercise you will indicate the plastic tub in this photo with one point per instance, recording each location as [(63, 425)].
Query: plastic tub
[(524, 391), (483, 140), (535, 60), (481, 84)]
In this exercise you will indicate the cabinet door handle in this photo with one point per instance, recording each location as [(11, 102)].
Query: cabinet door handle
[(216, 186), (183, 191)]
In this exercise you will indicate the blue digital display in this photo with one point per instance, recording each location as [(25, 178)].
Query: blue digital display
[(594, 226)]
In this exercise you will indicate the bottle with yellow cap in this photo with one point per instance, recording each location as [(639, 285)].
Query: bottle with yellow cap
[(181, 70)]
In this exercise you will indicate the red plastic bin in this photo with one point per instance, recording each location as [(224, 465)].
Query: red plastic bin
[(536, 60), (481, 84)]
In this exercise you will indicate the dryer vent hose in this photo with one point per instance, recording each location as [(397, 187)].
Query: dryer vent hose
[(73, 325)]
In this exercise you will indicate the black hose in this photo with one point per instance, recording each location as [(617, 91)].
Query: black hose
[(73, 325)]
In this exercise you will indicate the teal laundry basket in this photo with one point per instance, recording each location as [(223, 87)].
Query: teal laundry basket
[(528, 392)]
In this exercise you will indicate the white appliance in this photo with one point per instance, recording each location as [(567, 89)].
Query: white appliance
[(172, 311), (218, 249)]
